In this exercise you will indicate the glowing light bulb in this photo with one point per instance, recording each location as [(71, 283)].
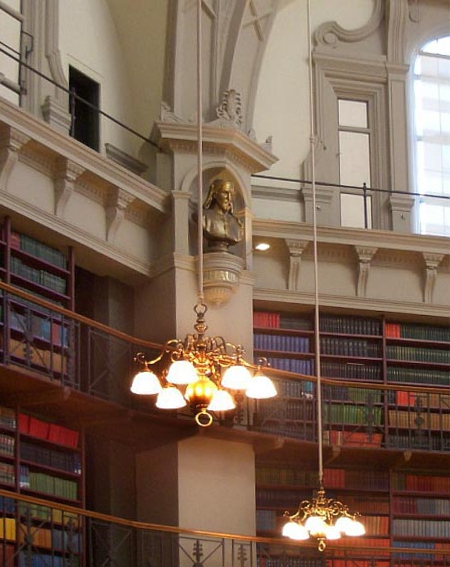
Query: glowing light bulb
[(146, 383), (182, 372)]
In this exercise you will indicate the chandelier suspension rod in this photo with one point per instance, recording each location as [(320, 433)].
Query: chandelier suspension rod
[(199, 152), (312, 140)]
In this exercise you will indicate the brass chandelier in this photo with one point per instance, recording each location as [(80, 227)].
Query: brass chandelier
[(208, 373), (322, 518)]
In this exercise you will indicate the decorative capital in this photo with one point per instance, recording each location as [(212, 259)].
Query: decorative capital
[(65, 175)]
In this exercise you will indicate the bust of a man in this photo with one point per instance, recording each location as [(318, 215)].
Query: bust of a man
[(221, 228)]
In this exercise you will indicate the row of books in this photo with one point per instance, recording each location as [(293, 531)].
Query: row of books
[(332, 478), (376, 525), (48, 484), (35, 248), (351, 414), (295, 365), (351, 371), (362, 348), (285, 476), (39, 327), (423, 400), (417, 439), (266, 520), (352, 438), (55, 539), (295, 388), (8, 418), (419, 420), (7, 474), (418, 354), (295, 409), (364, 505), (332, 393), (7, 445), (296, 430), (27, 559), (50, 431), (421, 528), (8, 529), (290, 499), (37, 276), (37, 512), (421, 506), (270, 561), (349, 325), (352, 326), (27, 353), (421, 483), (418, 376), (275, 320), (417, 331), (285, 343), (64, 461)]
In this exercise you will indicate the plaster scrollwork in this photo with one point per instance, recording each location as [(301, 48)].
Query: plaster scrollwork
[(432, 262), (296, 249), (330, 34), (117, 203), (230, 111), (11, 142), (65, 176), (365, 255)]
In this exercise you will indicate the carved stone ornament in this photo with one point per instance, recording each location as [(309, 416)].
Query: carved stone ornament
[(230, 111), (221, 275)]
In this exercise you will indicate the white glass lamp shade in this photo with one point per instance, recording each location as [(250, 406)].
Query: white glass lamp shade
[(182, 372), (221, 401), (332, 532), (344, 524), (316, 526), (146, 383), (236, 377), (356, 529), (170, 398), (293, 530), (261, 387)]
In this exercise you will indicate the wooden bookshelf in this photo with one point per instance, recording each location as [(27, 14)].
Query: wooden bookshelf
[(45, 460), (34, 336), (408, 509)]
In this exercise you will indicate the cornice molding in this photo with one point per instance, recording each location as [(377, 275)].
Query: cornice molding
[(131, 265), (353, 236), (353, 303), (54, 143), (241, 149)]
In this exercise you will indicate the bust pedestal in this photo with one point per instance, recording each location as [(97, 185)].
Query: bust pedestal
[(221, 274)]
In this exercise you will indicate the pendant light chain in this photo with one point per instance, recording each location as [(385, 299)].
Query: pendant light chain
[(312, 140), (199, 153)]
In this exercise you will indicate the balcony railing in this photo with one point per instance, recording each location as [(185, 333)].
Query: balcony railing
[(38, 533), (68, 350)]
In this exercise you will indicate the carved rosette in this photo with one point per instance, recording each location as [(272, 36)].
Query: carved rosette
[(221, 275)]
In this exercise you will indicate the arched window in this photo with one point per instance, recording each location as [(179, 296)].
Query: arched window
[(432, 135)]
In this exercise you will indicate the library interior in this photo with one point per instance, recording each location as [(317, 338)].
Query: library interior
[(225, 283)]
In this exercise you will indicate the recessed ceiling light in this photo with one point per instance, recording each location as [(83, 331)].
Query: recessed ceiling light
[(262, 246)]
